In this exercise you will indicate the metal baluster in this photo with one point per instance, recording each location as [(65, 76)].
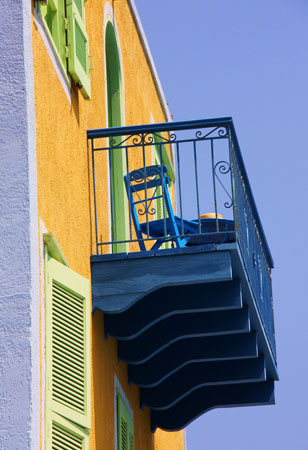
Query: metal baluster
[(197, 186), (232, 175), (94, 191), (180, 185), (129, 196), (145, 188), (214, 184), (163, 188), (111, 195)]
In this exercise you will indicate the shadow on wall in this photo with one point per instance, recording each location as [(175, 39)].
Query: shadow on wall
[(75, 101)]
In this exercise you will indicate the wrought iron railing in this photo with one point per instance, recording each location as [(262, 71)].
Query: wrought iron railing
[(205, 173), (251, 239)]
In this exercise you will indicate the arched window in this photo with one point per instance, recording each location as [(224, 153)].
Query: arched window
[(115, 106)]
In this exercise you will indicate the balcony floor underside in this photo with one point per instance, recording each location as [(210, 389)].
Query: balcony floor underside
[(188, 328)]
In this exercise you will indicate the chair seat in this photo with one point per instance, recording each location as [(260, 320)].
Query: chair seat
[(208, 230), (157, 227)]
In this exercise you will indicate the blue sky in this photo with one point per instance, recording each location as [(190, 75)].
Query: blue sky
[(249, 60)]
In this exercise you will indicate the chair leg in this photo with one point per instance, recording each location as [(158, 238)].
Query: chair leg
[(180, 242), (176, 243), (141, 242), (157, 244), (184, 241)]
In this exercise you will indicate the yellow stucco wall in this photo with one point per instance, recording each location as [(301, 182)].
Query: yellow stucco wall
[(64, 191)]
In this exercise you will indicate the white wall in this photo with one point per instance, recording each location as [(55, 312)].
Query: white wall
[(19, 299)]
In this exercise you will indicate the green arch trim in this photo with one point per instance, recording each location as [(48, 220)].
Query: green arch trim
[(117, 157)]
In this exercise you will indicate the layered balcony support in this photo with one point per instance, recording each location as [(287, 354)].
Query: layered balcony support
[(214, 296), (206, 398), (196, 375), (185, 335), (191, 311), (187, 351), (182, 326), (147, 273)]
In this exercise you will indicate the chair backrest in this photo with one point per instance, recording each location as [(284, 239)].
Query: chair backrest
[(144, 187)]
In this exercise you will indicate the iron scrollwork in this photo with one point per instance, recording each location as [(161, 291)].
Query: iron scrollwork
[(223, 167), (172, 138), (134, 140), (222, 132), (143, 176)]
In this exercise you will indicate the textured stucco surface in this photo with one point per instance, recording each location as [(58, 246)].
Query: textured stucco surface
[(65, 195), (19, 338)]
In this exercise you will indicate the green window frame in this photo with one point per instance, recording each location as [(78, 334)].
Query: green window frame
[(64, 24), (125, 426), (67, 355), (115, 102)]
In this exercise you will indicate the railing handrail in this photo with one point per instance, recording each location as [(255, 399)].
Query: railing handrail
[(157, 127), (186, 125)]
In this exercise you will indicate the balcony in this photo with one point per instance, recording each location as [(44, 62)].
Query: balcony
[(187, 294)]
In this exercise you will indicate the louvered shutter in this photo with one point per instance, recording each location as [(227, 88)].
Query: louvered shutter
[(62, 434), (68, 344), (125, 426), (53, 18), (131, 437), (122, 424), (78, 46)]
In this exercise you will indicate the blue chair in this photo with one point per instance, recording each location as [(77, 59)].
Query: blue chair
[(144, 187)]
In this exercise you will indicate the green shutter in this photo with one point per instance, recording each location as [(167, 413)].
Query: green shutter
[(122, 424), (78, 46), (64, 435), (68, 344), (125, 426), (80, 7), (53, 18), (131, 438)]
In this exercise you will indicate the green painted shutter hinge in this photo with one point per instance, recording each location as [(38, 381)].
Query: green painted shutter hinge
[(91, 58), (66, 52), (65, 23)]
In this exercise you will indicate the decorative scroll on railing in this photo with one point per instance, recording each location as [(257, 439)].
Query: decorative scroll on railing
[(179, 184)]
